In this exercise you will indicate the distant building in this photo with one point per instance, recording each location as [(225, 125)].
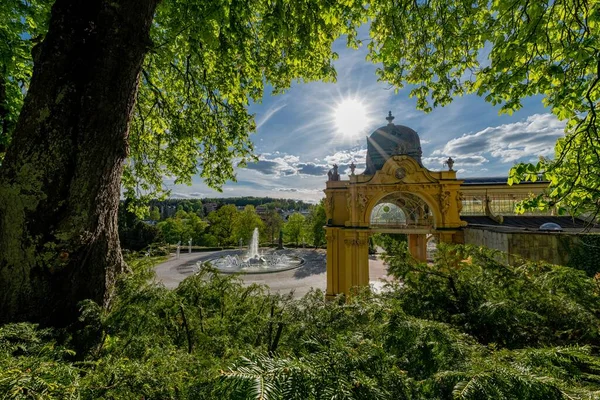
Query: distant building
[(261, 210)]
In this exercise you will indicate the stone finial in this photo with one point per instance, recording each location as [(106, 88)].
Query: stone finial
[(450, 163), (390, 118), (352, 168)]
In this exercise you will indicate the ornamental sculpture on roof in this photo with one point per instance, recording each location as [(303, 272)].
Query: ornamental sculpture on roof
[(333, 174)]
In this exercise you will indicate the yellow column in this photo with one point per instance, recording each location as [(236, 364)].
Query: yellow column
[(356, 267), (417, 246), (363, 258), (334, 242)]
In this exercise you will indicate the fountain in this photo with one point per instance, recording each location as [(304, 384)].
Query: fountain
[(253, 256), (253, 262)]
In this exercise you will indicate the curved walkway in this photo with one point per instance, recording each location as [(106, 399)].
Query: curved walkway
[(300, 280)]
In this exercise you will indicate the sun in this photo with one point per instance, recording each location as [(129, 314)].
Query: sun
[(351, 117)]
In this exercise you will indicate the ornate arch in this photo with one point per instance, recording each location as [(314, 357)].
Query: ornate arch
[(350, 204), (378, 197)]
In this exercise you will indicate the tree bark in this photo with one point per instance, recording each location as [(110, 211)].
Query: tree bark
[(60, 180), (3, 112)]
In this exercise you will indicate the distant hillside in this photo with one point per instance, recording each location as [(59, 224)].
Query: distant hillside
[(202, 207)]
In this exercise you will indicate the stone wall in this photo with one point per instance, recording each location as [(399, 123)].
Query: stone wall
[(535, 246)]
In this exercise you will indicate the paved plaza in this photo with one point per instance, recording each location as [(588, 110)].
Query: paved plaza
[(312, 274)]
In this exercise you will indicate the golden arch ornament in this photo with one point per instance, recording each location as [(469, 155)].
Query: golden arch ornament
[(349, 204)]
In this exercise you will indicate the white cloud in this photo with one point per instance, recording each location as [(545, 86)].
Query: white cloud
[(437, 163), (279, 165), (509, 142), (312, 169), (358, 155)]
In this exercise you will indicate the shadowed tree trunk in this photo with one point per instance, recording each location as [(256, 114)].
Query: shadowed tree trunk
[(60, 181), (4, 112)]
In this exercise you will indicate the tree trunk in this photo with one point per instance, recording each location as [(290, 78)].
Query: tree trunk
[(60, 180)]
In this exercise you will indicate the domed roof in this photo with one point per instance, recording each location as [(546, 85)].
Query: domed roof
[(391, 140), (550, 226)]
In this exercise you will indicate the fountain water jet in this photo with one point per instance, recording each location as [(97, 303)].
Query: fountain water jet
[(253, 256), (255, 263)]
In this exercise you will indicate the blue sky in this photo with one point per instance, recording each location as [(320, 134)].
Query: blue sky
[(298, 139)]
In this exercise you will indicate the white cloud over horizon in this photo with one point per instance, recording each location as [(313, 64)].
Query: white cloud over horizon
[(535, 136), (487, 152)]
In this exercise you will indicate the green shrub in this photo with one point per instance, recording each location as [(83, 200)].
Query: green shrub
[(530, 304)]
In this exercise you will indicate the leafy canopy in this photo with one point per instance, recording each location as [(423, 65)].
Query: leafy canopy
[(247, 220), (207, 62), (505, 51), (295, 228), (21, 25), (210, 59)]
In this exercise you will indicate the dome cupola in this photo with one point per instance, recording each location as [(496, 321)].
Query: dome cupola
[(391, 140)]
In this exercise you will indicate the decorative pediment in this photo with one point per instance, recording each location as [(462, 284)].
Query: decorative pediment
[(402, 169)]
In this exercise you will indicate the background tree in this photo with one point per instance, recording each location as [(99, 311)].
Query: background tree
[(245, 223), (273, 224), (222, 224), (316, 221), (198, 208), (154, 214), (141, 236), (182, 227), (198, 227), (135, 234), (294, 228), (173, 230)]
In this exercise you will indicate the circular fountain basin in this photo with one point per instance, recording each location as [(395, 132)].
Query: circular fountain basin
[(257, 264)]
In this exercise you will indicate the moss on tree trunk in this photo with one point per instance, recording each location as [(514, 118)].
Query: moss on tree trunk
[(60, 180)]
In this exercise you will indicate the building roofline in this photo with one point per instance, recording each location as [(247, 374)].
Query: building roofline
[(495, 180)]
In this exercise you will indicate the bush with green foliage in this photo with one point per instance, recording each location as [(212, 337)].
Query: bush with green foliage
[(585, 254), (467, 327), (528, 304), (388, 241)]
